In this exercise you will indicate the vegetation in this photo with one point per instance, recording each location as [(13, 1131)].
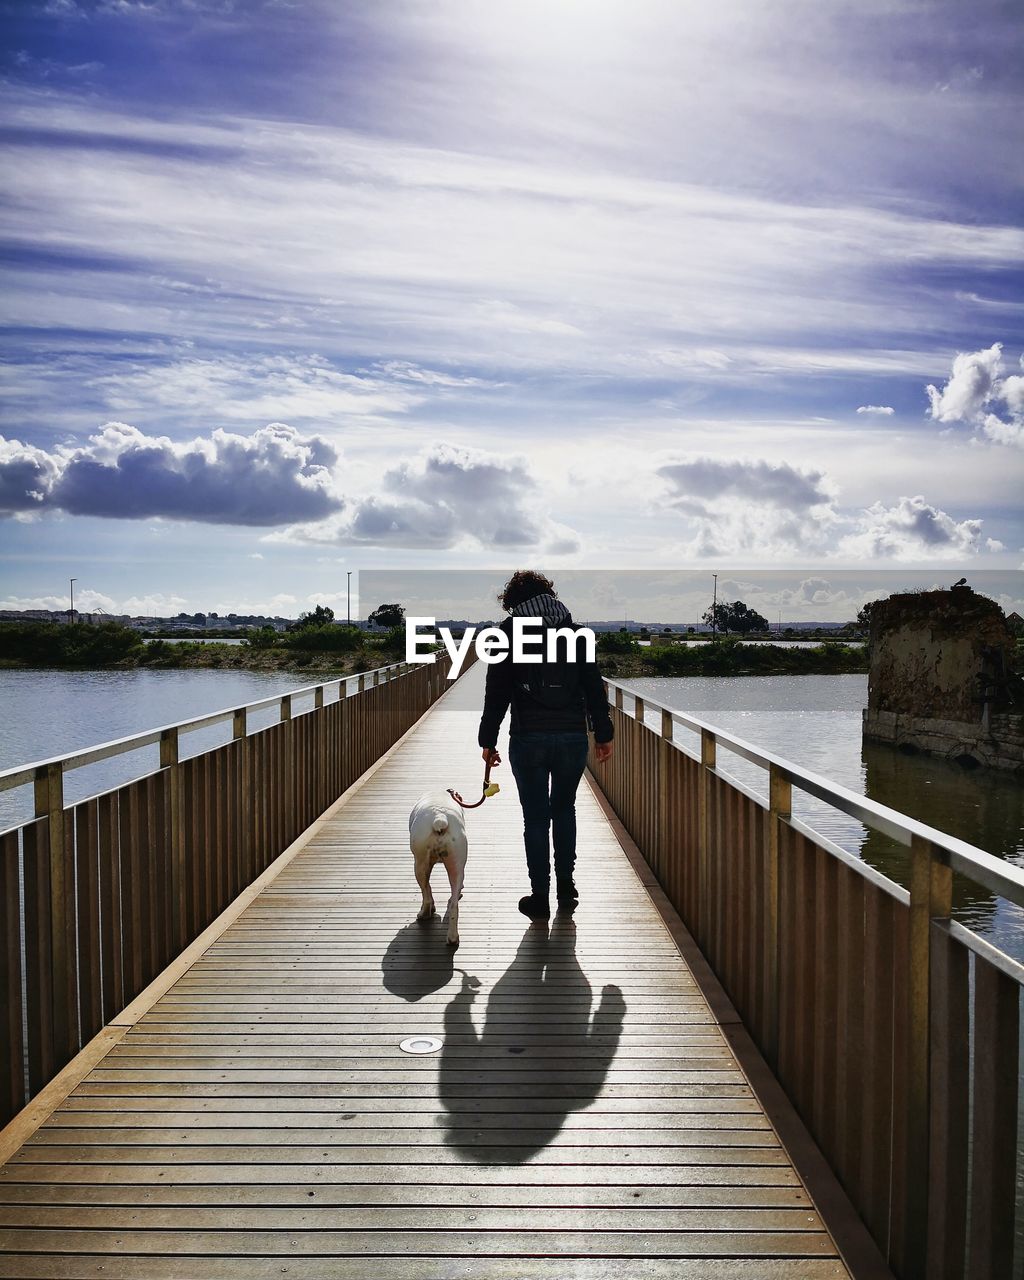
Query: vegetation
[(389, 616), (52, 644), (735, 617), (729, 657), (616, 642)]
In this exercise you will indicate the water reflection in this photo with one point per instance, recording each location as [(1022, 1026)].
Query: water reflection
[(975, 805), (502, 1088)]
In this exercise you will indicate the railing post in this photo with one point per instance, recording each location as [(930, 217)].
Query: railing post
[(618, 696), (664, 843), (931, 897), (240, 734), (318, 698), (707, 763), (362, 682), (780, 810), (170, 760), (286, 706), (49, 804)]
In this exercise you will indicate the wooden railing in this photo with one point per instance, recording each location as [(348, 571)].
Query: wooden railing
[(98, 897), (894, 1029)]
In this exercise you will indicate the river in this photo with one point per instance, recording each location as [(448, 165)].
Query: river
[(812, 720)]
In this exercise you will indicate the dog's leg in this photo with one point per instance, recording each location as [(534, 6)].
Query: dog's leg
[(456, 876), (423, 870)]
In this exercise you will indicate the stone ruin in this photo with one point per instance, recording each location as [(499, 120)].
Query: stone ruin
[(942, 680)]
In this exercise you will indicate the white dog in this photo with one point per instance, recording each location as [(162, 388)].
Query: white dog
[(437, 833)]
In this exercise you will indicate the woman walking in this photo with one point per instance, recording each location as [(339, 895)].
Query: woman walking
[(553, 702)]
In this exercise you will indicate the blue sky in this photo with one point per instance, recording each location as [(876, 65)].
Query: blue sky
[(301, 287)]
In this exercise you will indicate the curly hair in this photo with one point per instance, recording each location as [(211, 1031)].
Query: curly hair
[(524, 585)]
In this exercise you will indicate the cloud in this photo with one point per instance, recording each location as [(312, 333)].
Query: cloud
[(26, 475), (273, 477), (882, 410), (912, 529), (751, 507), (260, 388), (973, 386), (774, 484), (760, 509), (406, 371), (86, 601), (445, 496), (156, 604), (969, 386)]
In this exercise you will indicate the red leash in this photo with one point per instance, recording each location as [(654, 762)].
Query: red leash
[(490, 788)]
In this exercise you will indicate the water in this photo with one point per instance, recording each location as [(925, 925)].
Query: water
[(188, 640), (778, 644), (53, 713), (815, 721)]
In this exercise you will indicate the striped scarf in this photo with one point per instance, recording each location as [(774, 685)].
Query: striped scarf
[(543, 606)]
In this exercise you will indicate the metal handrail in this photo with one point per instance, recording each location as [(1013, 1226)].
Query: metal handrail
[(21, 775), (1002, 878)]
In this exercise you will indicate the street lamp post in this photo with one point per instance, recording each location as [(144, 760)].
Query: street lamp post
[(349, 595), (73, 581)]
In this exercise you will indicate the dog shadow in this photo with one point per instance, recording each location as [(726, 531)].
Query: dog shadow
[(418, 961), (541, 1055)]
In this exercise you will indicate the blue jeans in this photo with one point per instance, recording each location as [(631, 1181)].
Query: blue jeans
[(547, 768)]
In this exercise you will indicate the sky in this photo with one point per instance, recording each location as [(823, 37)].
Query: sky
[(294, 288)]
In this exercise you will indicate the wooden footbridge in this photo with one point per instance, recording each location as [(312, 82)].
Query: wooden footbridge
[(746, 1055)]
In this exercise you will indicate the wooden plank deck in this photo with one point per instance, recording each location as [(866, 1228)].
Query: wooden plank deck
[(586, 1117)]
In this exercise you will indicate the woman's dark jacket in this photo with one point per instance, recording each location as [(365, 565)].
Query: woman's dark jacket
[(506, 686)]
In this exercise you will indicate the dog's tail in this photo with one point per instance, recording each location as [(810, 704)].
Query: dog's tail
[(440, 824)]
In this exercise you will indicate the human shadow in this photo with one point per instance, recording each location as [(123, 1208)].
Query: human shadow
[(508, 1090), (417, 961)]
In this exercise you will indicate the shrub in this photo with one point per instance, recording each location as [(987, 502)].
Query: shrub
[(83, 644)]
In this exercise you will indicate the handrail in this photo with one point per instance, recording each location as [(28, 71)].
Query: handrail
[(893, 1028), (1002, 878), (20, 775), (106, 890)]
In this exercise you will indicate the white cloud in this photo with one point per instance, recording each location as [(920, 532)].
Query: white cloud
[(406, 371), (969, 386), (750, 507), (265, 388), (444, 497), (26, 475), (911, 529), (88, 601), (881, 410), (975, 385), (156, 604), (760, 510), (274, 476)]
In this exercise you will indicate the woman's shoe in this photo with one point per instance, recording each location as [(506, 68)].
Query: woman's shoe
[(535, 906), (567, 895)]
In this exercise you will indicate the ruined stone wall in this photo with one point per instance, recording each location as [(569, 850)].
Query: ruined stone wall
[(936, 665)]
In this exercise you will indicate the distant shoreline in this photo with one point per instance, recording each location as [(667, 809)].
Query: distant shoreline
[(721, 659), (732, 659)]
